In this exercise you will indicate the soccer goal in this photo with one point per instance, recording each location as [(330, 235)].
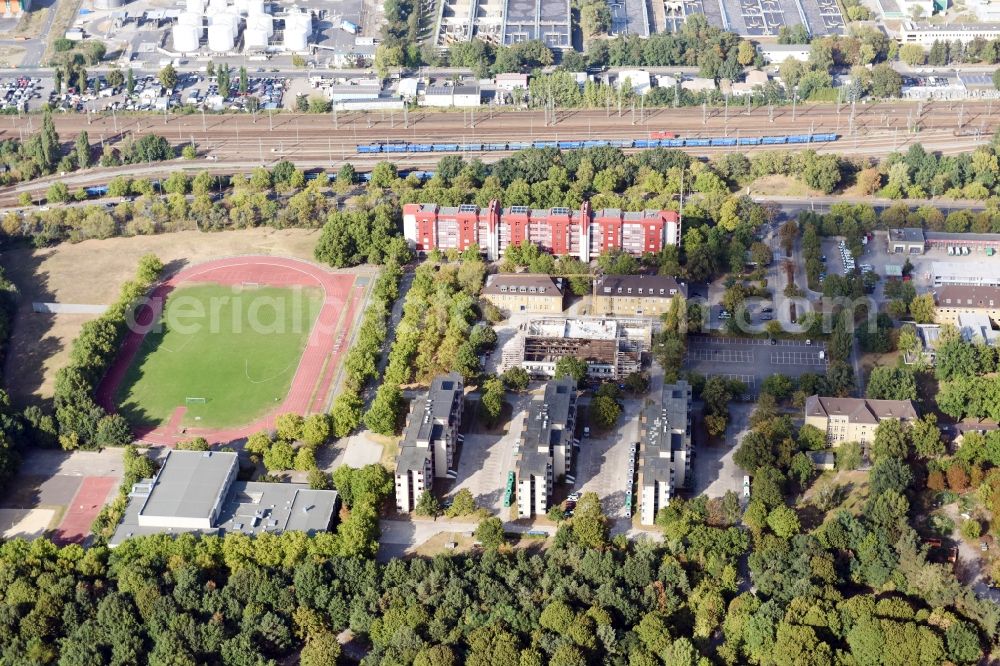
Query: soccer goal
[(195, 401)]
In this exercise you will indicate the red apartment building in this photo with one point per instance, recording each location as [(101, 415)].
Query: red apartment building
[(584, 233)]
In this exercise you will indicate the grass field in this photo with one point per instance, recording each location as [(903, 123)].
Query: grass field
[(239, 355)]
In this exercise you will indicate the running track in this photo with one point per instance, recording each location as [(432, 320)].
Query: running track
[(320, 359)]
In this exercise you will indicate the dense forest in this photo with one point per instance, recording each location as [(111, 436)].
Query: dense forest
[(856, 590)]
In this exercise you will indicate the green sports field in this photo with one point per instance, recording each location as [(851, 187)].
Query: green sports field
[(226, 354)]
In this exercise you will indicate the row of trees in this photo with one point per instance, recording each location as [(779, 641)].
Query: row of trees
[(362, 363), (437, 334), (82, 422)]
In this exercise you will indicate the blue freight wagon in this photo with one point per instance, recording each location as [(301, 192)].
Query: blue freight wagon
[(722, 141), (595, 144), (771, 140), (798, 138), (672, 143), (618, 143), (697, 142), (518, 146), (824, 137), (444, 147), (544, 144), (394, 147), (749, 141), (467, 147), (570, 145), (370, 148)]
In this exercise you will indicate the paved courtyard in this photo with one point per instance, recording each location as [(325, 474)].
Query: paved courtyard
[(602, 462), (485, 459), (714, 472)]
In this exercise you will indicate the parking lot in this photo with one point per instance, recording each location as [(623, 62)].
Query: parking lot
[(484, 460), (752, 360), (713, 471), (194, 90), (602, 462)]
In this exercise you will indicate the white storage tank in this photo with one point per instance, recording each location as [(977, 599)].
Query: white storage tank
[(187, 38), (240, 6), (230, 20), (190, 18), (298, 28), (261, 22), (255, 7), (254, 38), (195, 6), (220, 37)]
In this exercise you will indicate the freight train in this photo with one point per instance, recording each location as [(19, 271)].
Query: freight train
[(674, 142)]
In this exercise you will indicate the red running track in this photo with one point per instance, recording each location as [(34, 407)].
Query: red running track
[(320, 358), (81, 512)]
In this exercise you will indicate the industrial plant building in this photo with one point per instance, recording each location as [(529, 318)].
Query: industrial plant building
[(635, 295), (584, 234), (906, 241), (429, 440), (504, 22), (525, 292), (612, 348), (546, 447), (217, 27), (197, 491), (665, 449)]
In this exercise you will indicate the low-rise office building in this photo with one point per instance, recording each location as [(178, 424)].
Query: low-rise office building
[(545, 448), (525, 292), (429, 440), (635, 295), (665, 449), (197, 491), (854, 419)]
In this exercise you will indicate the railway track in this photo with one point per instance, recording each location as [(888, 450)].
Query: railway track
[(240, 142)]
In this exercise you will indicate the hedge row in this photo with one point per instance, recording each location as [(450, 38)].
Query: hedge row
[(82, 422)]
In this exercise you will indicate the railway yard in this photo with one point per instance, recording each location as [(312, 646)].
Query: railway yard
[(234, 141)]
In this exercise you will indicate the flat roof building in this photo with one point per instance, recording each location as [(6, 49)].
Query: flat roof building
[(906, 241), (197, 491), (545, 448), (969, 274), (462, 96), (779, 53), (664, 449), (525, 292), (925, 34), (429, 440), (612, 348), (583, 233), (635, 295)]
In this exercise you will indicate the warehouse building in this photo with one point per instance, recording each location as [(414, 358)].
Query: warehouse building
[(906, 241), (546, 447), (460, 96), (665, 449), (988, 243), (966, 273), (635, 295), (525, 292), (429, 440), (584, 234), (197, 491)]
